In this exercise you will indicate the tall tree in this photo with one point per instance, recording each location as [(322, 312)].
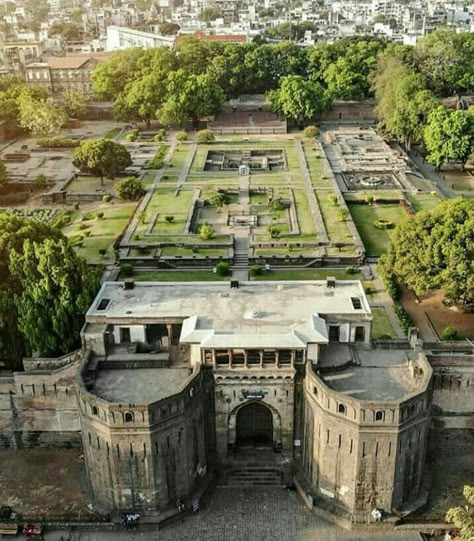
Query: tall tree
[(449, 136), (56, 288), (110, 78), (403, 103), (190, 96), (15, 234), (101, 157), (141, 98), (75, 102), (435, 250), (299, 98), (40, 117)]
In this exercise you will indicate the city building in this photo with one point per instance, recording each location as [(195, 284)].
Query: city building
[(61, 73), (119, 37)]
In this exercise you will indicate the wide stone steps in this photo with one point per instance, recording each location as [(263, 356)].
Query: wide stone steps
[(253, 476)]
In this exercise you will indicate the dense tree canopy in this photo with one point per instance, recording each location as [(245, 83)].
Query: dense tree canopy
[(45, 289), (299, 98), (101, 157), (403, 102), (435, 250), (40, 117), (190, 96), (449, 136)]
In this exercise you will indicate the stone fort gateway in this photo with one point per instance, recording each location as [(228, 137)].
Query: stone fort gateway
[(261, 382)]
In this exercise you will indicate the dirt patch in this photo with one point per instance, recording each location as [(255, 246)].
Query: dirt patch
[(450, 466), (43, 484), (430, 309)]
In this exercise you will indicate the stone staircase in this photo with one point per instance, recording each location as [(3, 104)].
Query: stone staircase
[(250, 467), (254, 475)]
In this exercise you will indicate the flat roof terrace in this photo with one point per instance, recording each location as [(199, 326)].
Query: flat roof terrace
[(254, 307), (143, 385), (381, 375)]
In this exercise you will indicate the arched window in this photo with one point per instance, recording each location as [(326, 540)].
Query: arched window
[(128, 417), (315, 391), (95, 411), (341, 408), (379, 415)]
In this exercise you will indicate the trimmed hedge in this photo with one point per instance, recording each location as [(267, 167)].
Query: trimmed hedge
[(57, 142), (158, 159), (404, 318)]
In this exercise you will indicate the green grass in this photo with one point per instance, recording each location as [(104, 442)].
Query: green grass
[(188, 252), (86, 184), (111, 134), (423, 201), (381, 326), (103, 232), (177, 276), (376, 241), (309, 274), (305, 218), (158, 159)]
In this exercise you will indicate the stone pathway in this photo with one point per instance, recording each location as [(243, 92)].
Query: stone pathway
[(253, 514), (244, 192), (313, 202), (384, 300), (183, 175), (429, 172), (144, 202)]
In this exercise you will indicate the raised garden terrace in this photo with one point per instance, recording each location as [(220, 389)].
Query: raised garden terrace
[(261, 194)]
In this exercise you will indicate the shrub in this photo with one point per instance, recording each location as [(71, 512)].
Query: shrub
[(205, 136), (274, 231), (389, 279), (160, 136), (206, 231), (181, 136), (450, 333), (383, 224), (169, 219), (256, 270), (352, 270), (102, 251), (132, 136), (343, 214), (127, 269), (158, 159), (222, 268), (81, 227), (369, 198), (332, 198), (107, 198), (219, 199), (130, 189), (278, 204), (403, 317), (57, 142), (99, 215), (41, 180), (310, 132), (87, 233), (76, 206)]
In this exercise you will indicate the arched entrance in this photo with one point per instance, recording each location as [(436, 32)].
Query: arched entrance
[(254, 425)]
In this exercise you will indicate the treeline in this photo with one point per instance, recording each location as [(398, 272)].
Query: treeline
[(194, 79), (408, 84)]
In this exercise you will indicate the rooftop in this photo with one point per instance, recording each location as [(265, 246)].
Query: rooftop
[(257, 314), (381, 375), (149, 384)]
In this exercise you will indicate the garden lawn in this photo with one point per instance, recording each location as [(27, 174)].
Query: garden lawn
[(103, 232), (376, 241), (86, 184), (112, 134), (177, 276), (313, 274), (381, 326), (424, 201)]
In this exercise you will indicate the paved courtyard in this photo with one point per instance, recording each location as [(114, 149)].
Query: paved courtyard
[(252, 514)]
